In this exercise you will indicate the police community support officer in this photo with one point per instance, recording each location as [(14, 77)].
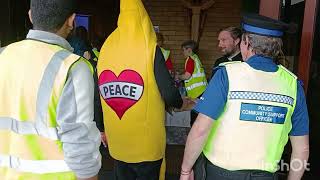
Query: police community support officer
[(249, 111), (46, 113)]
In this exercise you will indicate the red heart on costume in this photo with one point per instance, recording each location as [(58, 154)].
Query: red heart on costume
[(122, 92)]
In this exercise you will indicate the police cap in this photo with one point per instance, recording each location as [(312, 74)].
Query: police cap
[(262, 25)]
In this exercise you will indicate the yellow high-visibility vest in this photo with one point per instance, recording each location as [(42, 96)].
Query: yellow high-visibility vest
[(197, 83), (31, 85), (96, 54), (253, 129)]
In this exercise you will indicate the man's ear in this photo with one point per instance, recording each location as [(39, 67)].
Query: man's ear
[(70, 21), (30, 17), (247, 43)]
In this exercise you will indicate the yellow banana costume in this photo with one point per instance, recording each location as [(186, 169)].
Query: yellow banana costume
[(133, 109)]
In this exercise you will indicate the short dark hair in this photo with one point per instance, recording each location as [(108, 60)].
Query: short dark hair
[(234, 31), (190, 44), (50, 15)]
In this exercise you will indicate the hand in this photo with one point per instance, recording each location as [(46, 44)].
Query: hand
[(187, 105), (176, 76), (87, 55), (104, 139), (187, 176)]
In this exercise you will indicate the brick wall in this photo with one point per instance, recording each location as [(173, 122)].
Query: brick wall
[(175, 24)]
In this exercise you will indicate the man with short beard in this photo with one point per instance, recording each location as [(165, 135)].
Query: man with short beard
[(229, 43)]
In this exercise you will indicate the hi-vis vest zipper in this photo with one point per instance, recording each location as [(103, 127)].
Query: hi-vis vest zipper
[(31, 85), (253, 129), (133, 109), (197, 83)]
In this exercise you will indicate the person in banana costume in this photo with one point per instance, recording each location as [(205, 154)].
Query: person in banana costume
[(135, 86)]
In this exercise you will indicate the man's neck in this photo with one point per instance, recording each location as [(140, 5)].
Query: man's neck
[(62, 33), (234, 54), (249, 56)]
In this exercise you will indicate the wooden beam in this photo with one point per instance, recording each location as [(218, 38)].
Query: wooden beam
[(196, 16), (309, 23), (270, 8)]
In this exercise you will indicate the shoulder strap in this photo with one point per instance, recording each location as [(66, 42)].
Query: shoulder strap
[(288, 71)]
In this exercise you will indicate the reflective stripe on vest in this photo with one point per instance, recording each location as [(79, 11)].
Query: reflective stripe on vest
[(199, 74), (32, 129), (43, 98), (189, 88), (34, 166), (253, 129), (27, 128), (197, 83)]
